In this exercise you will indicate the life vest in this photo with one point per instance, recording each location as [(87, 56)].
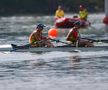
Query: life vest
[(59, 14), (83, 14), (33, 37), (74, 35)]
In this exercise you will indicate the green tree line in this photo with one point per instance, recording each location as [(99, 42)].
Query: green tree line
[(8, 7)]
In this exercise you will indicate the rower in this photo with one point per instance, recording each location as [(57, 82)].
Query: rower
[(37, 39), (74, 37)]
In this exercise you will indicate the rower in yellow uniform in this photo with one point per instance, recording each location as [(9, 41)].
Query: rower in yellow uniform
[(74, 38), (59, 12), (83, 13), (37, 39)]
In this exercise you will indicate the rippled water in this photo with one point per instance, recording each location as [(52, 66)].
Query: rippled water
[(51, 70)]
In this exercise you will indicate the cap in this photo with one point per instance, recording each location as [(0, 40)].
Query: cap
[(40, 25), (59, 7), (81, 6)]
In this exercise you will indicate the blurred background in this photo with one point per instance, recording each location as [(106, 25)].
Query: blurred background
[(13, 7)]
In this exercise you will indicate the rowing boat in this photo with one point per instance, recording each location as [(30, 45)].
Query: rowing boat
[(57, 48)]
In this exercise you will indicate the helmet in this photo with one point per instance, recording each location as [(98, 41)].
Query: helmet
[(81, 7), (59, 6), (40, 26)]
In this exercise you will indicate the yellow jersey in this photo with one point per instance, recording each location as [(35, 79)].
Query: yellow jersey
[(83, 14), (59, 13)]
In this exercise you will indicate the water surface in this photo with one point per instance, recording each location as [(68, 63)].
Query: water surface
[(51, 70)]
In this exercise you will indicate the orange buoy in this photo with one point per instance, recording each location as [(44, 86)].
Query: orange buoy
[(53, 33)]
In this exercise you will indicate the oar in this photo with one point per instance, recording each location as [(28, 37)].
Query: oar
[(95, 40), (77, 43), (59, 41)]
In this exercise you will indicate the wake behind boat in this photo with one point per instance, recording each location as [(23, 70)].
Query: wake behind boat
[(64, 48)]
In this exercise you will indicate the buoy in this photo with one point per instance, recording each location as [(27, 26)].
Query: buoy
[(53, 33)]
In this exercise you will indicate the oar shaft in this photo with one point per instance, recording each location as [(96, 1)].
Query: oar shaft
[(59, 41), (99, 40)]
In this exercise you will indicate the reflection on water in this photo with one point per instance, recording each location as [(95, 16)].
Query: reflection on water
[(71, 72), (51, 70)]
